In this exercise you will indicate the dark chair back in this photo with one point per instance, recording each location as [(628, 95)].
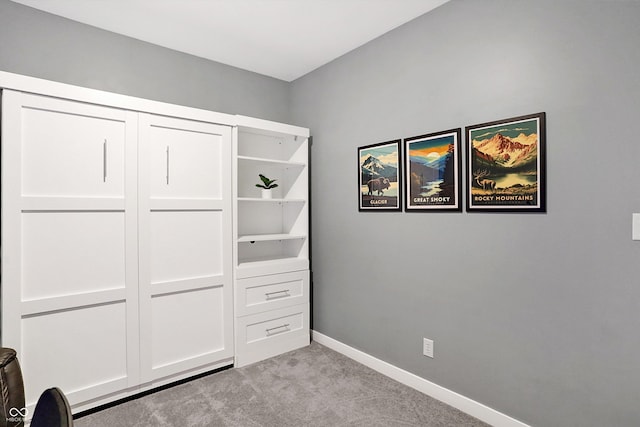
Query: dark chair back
[(52, 410), (12, 408)]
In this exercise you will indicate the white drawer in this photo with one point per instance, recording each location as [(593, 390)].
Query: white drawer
[(263, 335), (263, 293)]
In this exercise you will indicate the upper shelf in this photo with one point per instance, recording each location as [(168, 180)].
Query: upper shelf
[(266, 127), (273, 162), (267, 146)]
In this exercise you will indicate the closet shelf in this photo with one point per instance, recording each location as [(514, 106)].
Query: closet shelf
[(252, 262), (261, 200), (269, 237), (272, 162)]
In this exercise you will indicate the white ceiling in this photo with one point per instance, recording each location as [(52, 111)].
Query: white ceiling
[(284, 39)]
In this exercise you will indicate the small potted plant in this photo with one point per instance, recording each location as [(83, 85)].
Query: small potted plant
[(266, 185)]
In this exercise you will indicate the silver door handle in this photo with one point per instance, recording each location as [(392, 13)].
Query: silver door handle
[(104, 161), (167, 165)]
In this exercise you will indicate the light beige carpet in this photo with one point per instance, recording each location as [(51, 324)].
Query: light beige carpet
[(313, 386)]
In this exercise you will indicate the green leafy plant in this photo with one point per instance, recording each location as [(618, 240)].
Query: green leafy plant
[(266, 182)]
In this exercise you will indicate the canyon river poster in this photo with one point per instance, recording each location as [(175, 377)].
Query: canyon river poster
[(506, 165), (432, 172)]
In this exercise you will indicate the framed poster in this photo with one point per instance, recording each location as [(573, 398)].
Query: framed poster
[(432, 165), (380, 177), (506, 165)]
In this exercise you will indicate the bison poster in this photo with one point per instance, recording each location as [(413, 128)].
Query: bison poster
[(432, 167), (506, 165), (380, 177)]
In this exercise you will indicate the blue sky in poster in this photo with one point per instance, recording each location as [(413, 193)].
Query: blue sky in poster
[(511, 130), (385, 153)]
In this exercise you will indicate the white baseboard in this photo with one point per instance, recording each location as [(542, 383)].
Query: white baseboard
[(458, 401)]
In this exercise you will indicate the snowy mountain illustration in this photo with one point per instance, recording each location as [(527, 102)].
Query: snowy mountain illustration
[(372, 167), (508, 152)]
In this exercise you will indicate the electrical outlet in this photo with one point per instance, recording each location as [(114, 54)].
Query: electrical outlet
[(427, 347)]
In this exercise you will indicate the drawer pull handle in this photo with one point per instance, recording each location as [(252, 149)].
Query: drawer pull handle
[(278, 330), (104, 161), (277, 294)]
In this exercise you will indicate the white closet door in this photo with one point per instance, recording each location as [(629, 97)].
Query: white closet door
[(69, 285), (185, 246)]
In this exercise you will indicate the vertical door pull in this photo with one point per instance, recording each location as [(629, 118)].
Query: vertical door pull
[(167, 165), (104, 161)]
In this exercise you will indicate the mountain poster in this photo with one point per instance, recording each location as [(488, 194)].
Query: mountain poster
[(505, 165), (432, 171), (379, 177)]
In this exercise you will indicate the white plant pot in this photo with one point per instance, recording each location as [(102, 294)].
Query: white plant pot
[(267, 193)]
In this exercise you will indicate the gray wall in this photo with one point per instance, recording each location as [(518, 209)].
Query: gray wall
[(535, 315), (39, 44)]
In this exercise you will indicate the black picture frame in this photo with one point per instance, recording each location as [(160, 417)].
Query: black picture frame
[(433, 172), (380, 177), (506, 165)]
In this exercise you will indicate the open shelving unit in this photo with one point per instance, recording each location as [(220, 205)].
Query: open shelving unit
[(271, 234), (271, 240)]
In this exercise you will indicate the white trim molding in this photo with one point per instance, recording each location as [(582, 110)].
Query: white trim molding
[(458, 401), (50, 88)]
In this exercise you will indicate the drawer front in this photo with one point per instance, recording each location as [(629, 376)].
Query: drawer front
[(268, 334), (259, 294)]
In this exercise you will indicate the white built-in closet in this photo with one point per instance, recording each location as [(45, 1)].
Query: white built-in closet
[(118, 243)]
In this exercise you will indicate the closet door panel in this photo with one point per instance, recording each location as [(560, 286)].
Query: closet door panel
[(186, 329), (88, 345), (186, 244), (72, 149), (69, 228), (72, 252), (176, 170)]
